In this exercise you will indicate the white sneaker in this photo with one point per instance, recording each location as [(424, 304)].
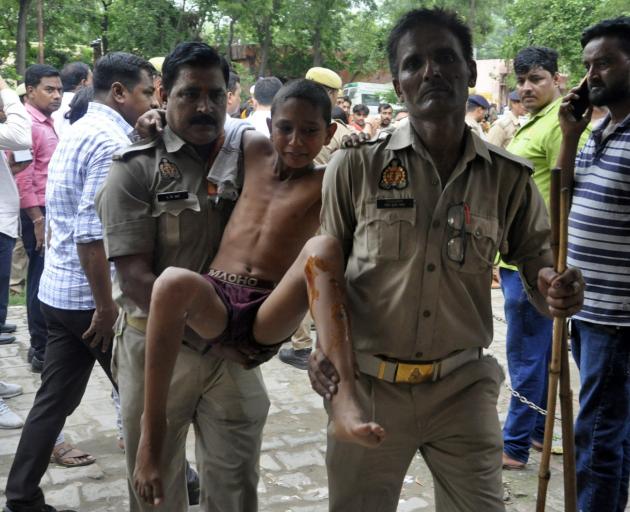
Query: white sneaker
[(8, 419), (8, 390)]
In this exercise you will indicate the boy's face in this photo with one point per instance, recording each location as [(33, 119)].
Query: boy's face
[(298, 132)]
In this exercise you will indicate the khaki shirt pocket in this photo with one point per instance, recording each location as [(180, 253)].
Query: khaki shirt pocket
[(390, 232), (171, 216), (481, 245)]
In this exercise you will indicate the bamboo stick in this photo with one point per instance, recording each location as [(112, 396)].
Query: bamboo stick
[(559, 364), (568, 439)]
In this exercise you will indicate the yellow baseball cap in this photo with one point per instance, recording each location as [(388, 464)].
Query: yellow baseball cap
[(20, 90), (324, 76), (157, 63)]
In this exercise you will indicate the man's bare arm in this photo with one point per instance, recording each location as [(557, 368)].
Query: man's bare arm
[(136, 277), (572, 130), (96, 268)]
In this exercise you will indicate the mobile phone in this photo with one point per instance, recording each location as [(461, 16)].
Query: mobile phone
[(24, 155), (580, 106)]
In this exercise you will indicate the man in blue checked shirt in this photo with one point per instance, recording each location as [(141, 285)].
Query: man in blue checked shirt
[(599, 245), (75, 289)]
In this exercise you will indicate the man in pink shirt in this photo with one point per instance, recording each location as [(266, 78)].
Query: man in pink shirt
[(43, 97)]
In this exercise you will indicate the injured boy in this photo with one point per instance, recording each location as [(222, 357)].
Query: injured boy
[(268, 271)]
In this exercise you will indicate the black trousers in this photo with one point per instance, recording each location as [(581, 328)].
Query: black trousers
[(67, 368)]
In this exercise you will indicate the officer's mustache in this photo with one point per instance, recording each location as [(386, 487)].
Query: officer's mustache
[(203, 120)]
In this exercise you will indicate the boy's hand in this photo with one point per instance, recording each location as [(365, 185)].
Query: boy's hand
[(323, 375), (146, 475), (151, 123), (564, 292), (354, 140)]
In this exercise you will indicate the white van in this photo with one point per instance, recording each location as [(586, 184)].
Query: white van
[(369, 94)]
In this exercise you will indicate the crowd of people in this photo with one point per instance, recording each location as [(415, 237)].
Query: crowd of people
[(178, 236)]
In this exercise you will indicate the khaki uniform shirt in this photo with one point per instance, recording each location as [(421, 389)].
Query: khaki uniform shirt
[(155, 201), (326, 152), (502, 131), (386, 204)]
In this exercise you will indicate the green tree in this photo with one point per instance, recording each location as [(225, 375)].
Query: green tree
[(148, 28), (557, 24)]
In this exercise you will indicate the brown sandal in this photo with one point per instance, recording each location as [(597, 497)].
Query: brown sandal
[(68, 456)]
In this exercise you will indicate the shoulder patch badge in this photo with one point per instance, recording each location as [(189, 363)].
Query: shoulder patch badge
[(168, 170), (394, 176)]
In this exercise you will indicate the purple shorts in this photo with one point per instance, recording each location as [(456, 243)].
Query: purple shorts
[(242, 303)]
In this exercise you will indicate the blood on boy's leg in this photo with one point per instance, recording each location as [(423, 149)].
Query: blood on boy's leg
[(323, 272)]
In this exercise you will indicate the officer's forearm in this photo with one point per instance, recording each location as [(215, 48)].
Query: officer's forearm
[(136, 278)]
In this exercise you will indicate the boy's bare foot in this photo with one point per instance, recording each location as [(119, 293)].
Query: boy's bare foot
[(346, 423), (146, 476)]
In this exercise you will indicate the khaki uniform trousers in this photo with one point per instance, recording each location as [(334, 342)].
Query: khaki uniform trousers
[(228, 407), (453, 422)]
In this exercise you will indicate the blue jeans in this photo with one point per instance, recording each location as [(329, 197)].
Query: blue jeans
[(602, 427), (528, 347), (36, 321), (6, 254)]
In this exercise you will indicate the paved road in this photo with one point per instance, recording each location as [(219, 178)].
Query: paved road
[(293, 476)]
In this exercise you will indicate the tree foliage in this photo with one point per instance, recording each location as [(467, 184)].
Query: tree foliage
[(289, 35), (557, 24)]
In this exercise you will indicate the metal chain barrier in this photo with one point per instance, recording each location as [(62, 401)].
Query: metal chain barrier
[(515, 393)]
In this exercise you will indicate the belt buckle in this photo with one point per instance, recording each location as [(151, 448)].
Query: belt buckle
[(414, 373)]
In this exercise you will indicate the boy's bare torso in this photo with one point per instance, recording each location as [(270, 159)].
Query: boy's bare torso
[(273, 218)]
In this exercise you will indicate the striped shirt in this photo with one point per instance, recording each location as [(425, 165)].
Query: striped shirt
[(77, 168), (599, 225)]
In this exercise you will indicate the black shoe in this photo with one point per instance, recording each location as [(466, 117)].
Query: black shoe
[(192, 483), (5, 339), (8, 328), (296, 358), (37, 365)]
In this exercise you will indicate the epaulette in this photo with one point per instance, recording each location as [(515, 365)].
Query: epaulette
[(136, 147), (511, 156)]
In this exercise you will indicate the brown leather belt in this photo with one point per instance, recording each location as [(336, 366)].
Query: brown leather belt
[(409, 372)]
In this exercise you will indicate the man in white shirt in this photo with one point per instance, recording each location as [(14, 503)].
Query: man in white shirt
[(264, 92), (15, 134), (74, 76)]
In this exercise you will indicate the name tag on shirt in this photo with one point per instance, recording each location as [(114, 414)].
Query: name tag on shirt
[(172, 196), (395, 203)]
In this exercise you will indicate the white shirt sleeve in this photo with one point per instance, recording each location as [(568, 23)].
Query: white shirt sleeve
[(15, 133)]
